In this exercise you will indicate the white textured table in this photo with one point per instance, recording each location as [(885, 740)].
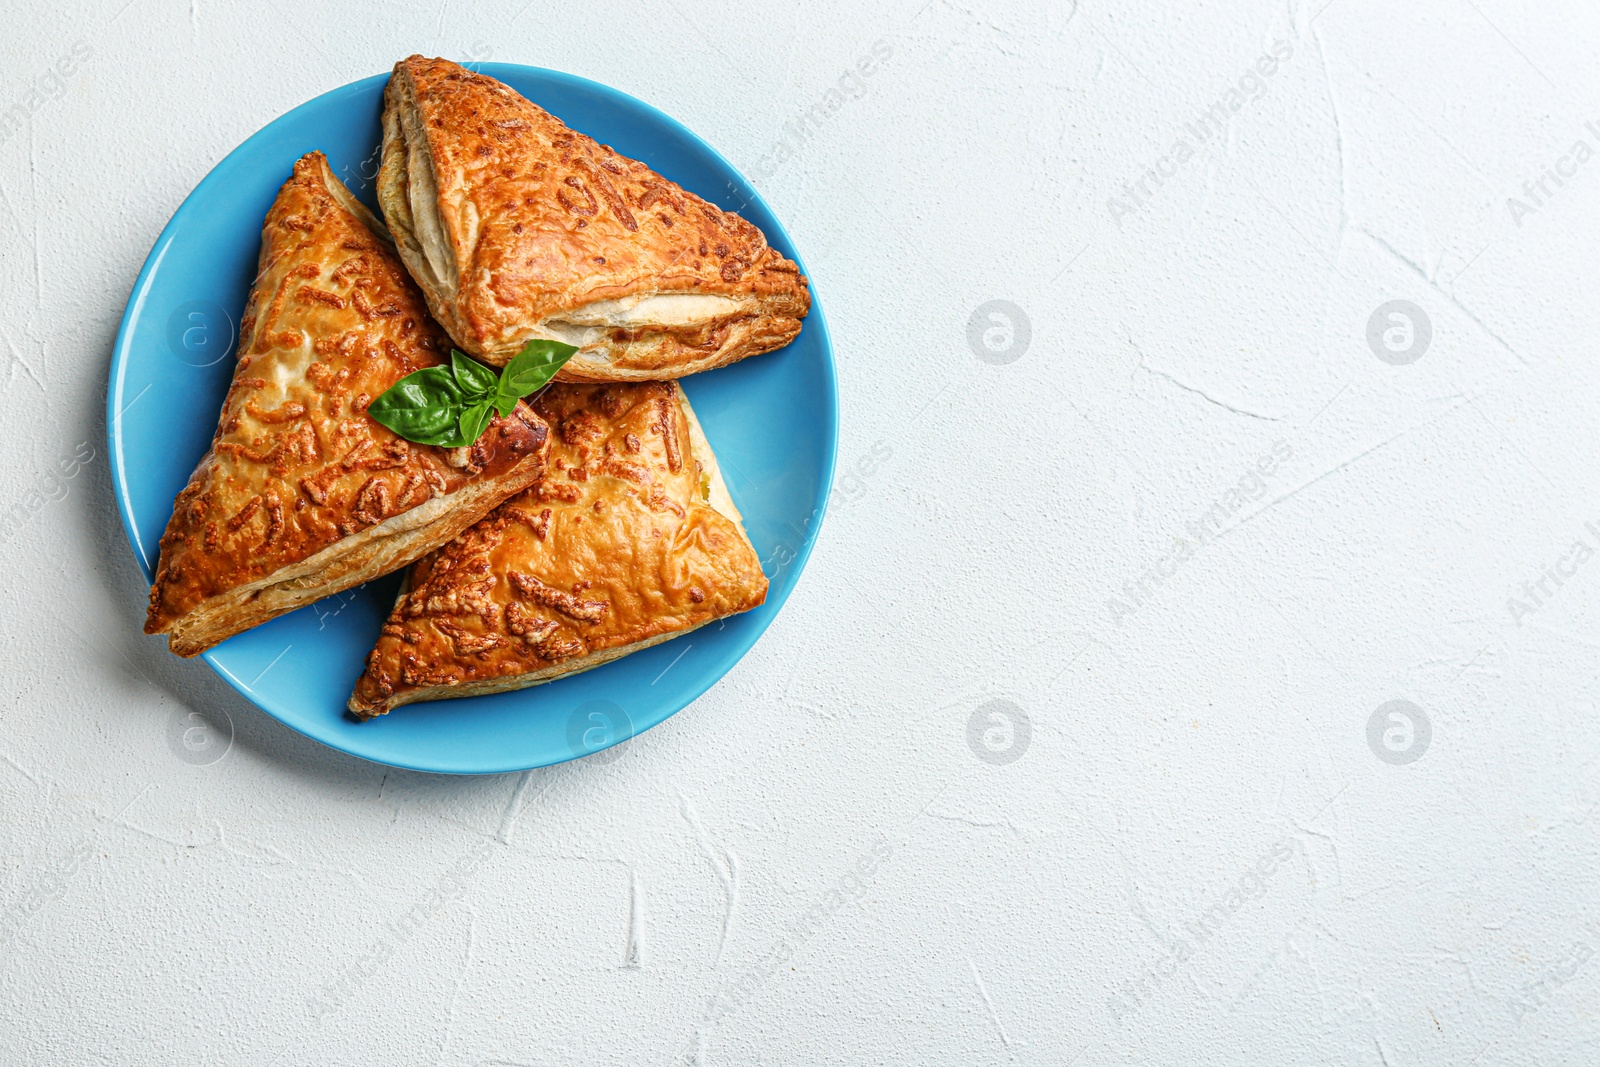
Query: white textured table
[(1076, 742)]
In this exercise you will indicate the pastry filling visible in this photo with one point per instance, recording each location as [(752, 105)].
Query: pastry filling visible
[(654, 309), (669, 313)]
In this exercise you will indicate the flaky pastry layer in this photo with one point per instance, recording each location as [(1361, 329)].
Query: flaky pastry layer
[(518, 227), (302, 495), (630, 539)]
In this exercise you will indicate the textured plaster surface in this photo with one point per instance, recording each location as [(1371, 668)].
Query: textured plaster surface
[(1060, 753)]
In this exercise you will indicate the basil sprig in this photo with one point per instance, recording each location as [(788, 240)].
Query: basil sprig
[(450, 406)]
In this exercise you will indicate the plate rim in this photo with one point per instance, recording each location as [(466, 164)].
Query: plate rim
[(141, 289)]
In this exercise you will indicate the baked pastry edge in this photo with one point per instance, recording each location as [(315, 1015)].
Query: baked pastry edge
[(717, 498), (348, 562)]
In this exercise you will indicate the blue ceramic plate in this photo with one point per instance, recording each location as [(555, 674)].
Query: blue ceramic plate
[(773, 421)]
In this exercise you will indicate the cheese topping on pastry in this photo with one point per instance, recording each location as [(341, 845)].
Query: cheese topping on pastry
[(630, 539), (517, 227), (302, 494)]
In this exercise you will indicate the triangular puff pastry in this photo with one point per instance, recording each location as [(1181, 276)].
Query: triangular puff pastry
[(629, 539), (518, 227), (302, 494)]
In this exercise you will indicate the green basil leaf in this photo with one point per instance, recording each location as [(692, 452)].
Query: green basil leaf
[(473, 377), (529, 370), (474, 418), (424, 406)]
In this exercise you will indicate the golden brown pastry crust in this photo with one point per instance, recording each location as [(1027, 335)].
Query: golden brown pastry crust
[(630, 539), (517, 226), (302, 494)]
